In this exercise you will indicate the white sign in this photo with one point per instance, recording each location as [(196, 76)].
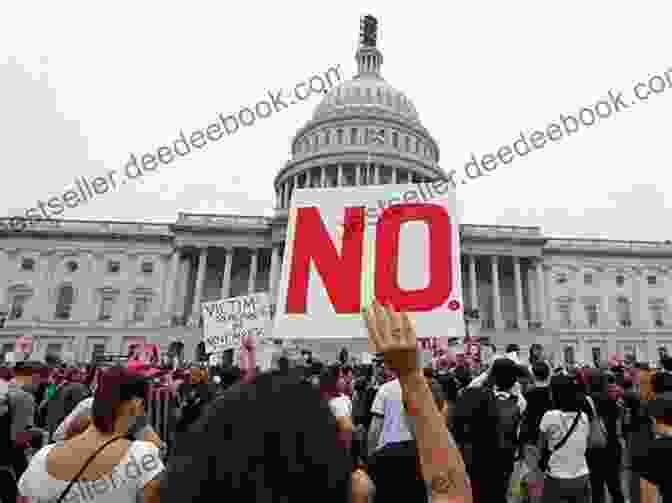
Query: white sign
[(345, 247), (227, 321)]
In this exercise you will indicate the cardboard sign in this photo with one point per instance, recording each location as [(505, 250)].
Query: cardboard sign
[(226, 322), (398, 244)]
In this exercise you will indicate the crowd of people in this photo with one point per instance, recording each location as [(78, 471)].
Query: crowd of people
[(517, 429)]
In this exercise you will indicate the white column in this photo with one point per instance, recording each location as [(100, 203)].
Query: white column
[(394, 176), (541, 293), (323, 176), (42, 307), (518, 285), (251, 282), (296, 182), (359, 174), (171, 284), (198, 288), (226, 277), (376, 174), (129, 285), (4, 279), (473, 282), (273, 278), (496, 300), (638, 319), (339, 182), (285, 194)]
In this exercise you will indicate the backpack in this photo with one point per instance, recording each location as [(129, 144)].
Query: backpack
[(508, 420)]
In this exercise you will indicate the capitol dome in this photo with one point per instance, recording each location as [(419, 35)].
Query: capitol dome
[(368, 92), (363, 132)]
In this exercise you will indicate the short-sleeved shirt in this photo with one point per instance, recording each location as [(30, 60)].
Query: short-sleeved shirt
[(141, 464), (389, 405), (341, 406), (569, 461)]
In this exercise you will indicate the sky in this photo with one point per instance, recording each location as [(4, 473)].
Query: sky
[(85, 84)]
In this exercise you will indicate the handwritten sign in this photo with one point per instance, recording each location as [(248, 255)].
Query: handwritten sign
[(398, 244), (227, 322)]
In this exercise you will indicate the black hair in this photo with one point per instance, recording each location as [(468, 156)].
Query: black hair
[(115, 386), (666, 362), (261, 442), (541, 371), (566, 394), (512, 348)]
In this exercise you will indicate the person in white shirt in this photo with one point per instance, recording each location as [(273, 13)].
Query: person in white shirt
[(100, 465), (567, 477)]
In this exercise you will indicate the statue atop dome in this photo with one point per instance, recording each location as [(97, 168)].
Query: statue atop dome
[(368, 32)]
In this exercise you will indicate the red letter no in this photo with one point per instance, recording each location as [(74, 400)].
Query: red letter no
[(341, 275), (440, 257)]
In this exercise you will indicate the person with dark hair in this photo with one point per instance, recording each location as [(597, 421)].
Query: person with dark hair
[(296, 455), (100, 461), (539, 402), (564, 431), (650, 455), (65, 398), (485, 423), (331, 389), (605, 463)]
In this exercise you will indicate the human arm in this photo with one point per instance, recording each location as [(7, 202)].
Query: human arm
[(375, 429), (440, 459)]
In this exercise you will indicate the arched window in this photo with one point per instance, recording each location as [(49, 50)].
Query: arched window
[(339, 136), (66, 297), (408, 144), (327, 137), (395, 139)]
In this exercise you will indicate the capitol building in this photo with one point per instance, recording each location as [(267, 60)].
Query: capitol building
[(94, 287)]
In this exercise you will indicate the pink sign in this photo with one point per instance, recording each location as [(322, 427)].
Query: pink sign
[(24, 344)]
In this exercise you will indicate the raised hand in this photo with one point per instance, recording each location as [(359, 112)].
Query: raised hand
[(392, 334)]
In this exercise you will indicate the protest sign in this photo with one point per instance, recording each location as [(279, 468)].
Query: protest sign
[(226, 322), (398, 244), (24, 344)]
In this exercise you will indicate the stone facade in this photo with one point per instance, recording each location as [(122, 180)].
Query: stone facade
[(83, 286)]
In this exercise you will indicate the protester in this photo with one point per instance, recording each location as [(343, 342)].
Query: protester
[(296, 456), (650, 456), (485, 423), (101, 458), (66, 396), (564, 432), (605, 462)]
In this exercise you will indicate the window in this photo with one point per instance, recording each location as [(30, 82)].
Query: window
[(339, 136), (381, 137), (27, 264), (141, 308), (561, 278), (106, 307), (113, 266), (418, 145), (587, 279), (591, 315), (395, 139), (657, 309), (597, 356), (408, 144), (66, 297), (623, 309), (353, 136), (651, 280), (98, 352), (620, 280), (18, 305), (147, 267), (565, 312), (72, 266), (327, 137)]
